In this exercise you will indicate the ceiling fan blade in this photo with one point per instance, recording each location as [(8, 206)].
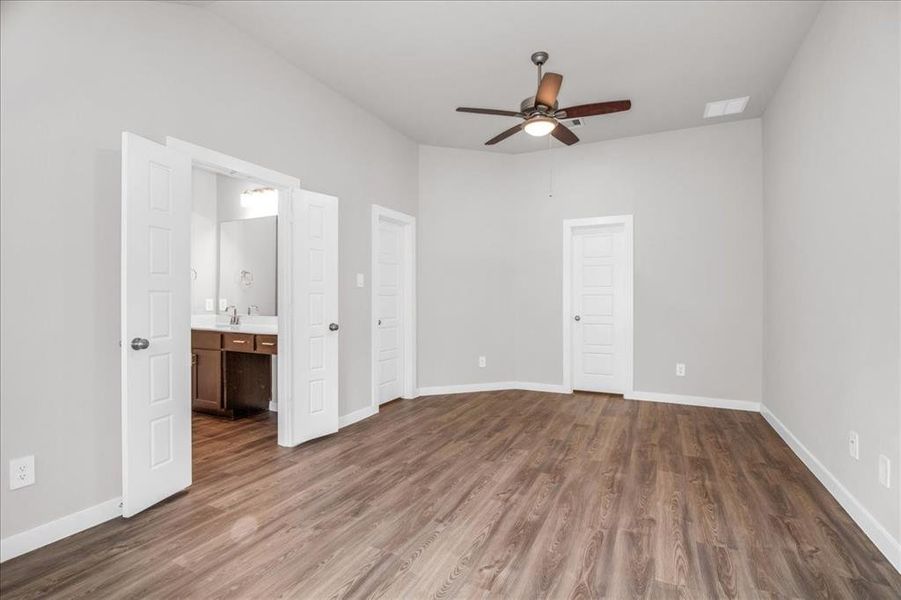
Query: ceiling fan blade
[(489, 111), (548, 90), (598, 108), (502, 136), (564, 134)]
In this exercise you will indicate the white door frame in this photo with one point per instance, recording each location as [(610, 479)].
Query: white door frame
[(235, 167), (569, 228), (380, 213)]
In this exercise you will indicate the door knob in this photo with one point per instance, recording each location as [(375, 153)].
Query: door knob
[(140, 344), (333, 327), (380, 321), (577, 318)]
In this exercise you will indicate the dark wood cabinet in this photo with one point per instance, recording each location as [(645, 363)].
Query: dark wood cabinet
[(231, 373), (206, 380)]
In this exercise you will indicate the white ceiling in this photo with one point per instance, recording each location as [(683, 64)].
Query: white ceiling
[(412, 63)]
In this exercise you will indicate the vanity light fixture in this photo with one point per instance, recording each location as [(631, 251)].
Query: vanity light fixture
[(262, 201)]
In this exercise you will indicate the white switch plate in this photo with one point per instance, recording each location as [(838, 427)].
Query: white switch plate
[(208, 304), (361, 281), (21, 472), (854, 445), (885, 471), (680, 369), (482, 362), (223, 304)]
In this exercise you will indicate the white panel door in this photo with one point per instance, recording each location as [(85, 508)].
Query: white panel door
[(389, 310), (599, 302), (156, 323), (316, 328)]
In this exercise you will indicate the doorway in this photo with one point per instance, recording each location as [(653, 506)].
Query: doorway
[(393, 305), (597, 304), (158, 332)]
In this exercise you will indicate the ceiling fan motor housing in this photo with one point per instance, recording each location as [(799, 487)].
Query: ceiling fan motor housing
[(527, 107)]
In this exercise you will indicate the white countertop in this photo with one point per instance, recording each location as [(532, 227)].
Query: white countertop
[(254, 324)]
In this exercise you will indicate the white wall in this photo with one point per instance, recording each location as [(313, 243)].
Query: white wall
[(831, 214), (465, 255), (204, 240), (75, 75), (490, 243)]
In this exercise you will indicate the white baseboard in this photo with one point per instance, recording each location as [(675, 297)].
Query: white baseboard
[(468, 388), (529, 386), (694, 400), (880, 536), (20, 543), (273, 406), (357, 415)]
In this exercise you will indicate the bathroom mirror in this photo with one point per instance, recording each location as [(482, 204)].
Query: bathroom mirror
[(247, 265), (233, 246)]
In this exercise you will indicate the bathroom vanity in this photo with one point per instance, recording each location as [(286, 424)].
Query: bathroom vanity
[(231, 369), (234, 298)]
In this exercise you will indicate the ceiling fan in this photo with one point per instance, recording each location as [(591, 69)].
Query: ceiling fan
[(540, 114)]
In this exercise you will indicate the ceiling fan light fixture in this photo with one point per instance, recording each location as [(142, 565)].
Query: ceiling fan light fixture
[(540, 126)]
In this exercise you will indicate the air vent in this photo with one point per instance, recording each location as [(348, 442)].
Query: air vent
[(574, 123)]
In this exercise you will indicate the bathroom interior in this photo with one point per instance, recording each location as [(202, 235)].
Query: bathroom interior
[(234, 299)]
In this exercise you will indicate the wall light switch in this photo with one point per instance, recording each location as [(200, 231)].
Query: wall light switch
[(482, 362), (680, 369), (223, 304), (361, 281), (208, 305), (21, 472), (854, 445), (885, 471)]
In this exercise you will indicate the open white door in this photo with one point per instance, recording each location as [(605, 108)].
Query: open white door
[(156, 323), (315, 329)]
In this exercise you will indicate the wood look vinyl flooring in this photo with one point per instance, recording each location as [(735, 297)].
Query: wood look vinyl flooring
[(505, 494)]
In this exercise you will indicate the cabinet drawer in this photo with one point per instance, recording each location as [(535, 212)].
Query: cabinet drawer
[(237, 342), (267, 344), (205, 340)]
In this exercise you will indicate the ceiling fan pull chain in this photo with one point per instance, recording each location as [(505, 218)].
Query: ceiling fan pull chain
[(550, 178)]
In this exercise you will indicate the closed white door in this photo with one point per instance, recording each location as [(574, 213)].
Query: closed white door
[(599, 309), (156, 323), (316, 328), (389, 310)]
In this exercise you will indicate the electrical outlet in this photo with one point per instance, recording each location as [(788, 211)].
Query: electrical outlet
[(680, 369), (854, 445), (361, 280), (208, 305), (482, 362), (21, 472), (885, 471), (223, 304)]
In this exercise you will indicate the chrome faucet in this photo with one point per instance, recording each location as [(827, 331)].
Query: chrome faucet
[(253, 308), (234, 318)]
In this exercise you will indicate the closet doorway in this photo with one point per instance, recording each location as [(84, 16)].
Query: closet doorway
[(597, 304), (393, 305)]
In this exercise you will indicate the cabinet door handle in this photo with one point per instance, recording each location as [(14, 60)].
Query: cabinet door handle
[(267, 343), (239, 341)]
